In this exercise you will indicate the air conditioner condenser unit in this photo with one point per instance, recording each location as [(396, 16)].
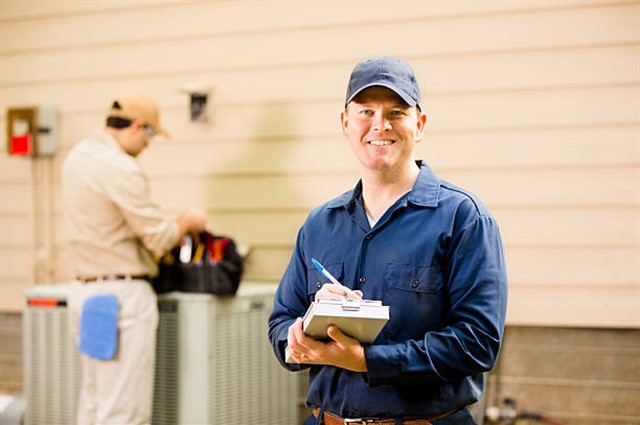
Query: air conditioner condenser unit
[(214, 363)]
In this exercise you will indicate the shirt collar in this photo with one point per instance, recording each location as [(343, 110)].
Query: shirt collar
[(426, 190), (348, 198), (424, 193), (103, 136)]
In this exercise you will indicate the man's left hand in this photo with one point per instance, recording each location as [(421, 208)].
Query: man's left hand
[(342, 351)]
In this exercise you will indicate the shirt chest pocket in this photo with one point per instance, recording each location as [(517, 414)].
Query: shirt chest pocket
[(414, 294), (414, 278), (315, 279)]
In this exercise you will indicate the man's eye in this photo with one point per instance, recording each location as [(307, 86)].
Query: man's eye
[(366, 112), (397, 112)]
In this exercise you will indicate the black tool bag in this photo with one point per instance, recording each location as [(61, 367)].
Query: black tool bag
[(211, 264)]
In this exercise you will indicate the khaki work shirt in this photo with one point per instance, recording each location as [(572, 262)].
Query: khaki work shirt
[(113, 227)]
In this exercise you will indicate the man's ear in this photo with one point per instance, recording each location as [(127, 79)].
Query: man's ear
[(344, 121), (138, 123), (422, 120)]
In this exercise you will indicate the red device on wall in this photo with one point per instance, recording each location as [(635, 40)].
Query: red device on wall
[(32, 131)]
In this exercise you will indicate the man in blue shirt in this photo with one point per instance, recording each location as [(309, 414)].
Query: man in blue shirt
[(429, 250)]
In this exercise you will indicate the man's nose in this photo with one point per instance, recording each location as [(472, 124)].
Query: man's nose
[(381, 123)]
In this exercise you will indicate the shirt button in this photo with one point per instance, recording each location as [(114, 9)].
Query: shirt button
[(363, 279), (354, 413), (318, 285), (368, 237), (415, 283)]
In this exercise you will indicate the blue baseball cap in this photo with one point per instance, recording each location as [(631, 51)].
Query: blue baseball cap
[(388, 72)]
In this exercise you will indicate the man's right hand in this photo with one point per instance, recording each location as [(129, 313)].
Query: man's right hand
[(332, 291), (193, 220)]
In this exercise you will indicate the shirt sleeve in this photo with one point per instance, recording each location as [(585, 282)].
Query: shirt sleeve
[(291, 302), (469, 343), (131, 193)]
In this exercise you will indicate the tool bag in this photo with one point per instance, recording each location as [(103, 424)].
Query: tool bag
[(210, 264)]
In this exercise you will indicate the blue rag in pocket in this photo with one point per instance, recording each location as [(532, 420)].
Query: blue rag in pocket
[(99, 327)]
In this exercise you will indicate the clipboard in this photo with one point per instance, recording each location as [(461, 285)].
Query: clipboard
[(359, 319)]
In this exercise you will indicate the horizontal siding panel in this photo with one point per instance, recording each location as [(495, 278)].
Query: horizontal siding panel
[(15, 199), (594, 187), (238, 157), (17, 10), (279, 229), (500, 71), (526, 31), (573, 268), (535, 110), (548, 228), (251, 193), (606, 307), (527, 70), (266, 264), (194, 19), (15, 264), (555, 147), (12, 295), (13, 168), (16, 231)]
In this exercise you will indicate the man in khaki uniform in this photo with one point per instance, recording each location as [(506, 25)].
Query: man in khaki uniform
[(114, 229)]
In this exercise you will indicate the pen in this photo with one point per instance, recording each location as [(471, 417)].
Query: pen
[(325, 272)]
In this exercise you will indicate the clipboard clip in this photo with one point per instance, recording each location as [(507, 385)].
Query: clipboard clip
[(351, 305)]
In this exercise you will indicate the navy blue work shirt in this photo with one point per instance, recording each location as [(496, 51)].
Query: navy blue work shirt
[(436, 259)]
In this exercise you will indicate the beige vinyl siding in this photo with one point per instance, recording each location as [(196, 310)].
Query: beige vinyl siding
[(531, 105)]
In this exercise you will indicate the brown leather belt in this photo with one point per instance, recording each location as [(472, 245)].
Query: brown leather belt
[(331, 419), (112, 277)]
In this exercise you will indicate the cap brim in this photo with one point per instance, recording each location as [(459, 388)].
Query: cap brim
[(164, 133), (404, 96)]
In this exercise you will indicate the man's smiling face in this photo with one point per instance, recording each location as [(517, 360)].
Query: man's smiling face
[(382, 130)]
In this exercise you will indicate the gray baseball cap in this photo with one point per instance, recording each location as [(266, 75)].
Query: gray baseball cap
[(385, 71)]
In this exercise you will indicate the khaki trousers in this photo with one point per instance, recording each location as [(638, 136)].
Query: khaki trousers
[(119, 391)]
